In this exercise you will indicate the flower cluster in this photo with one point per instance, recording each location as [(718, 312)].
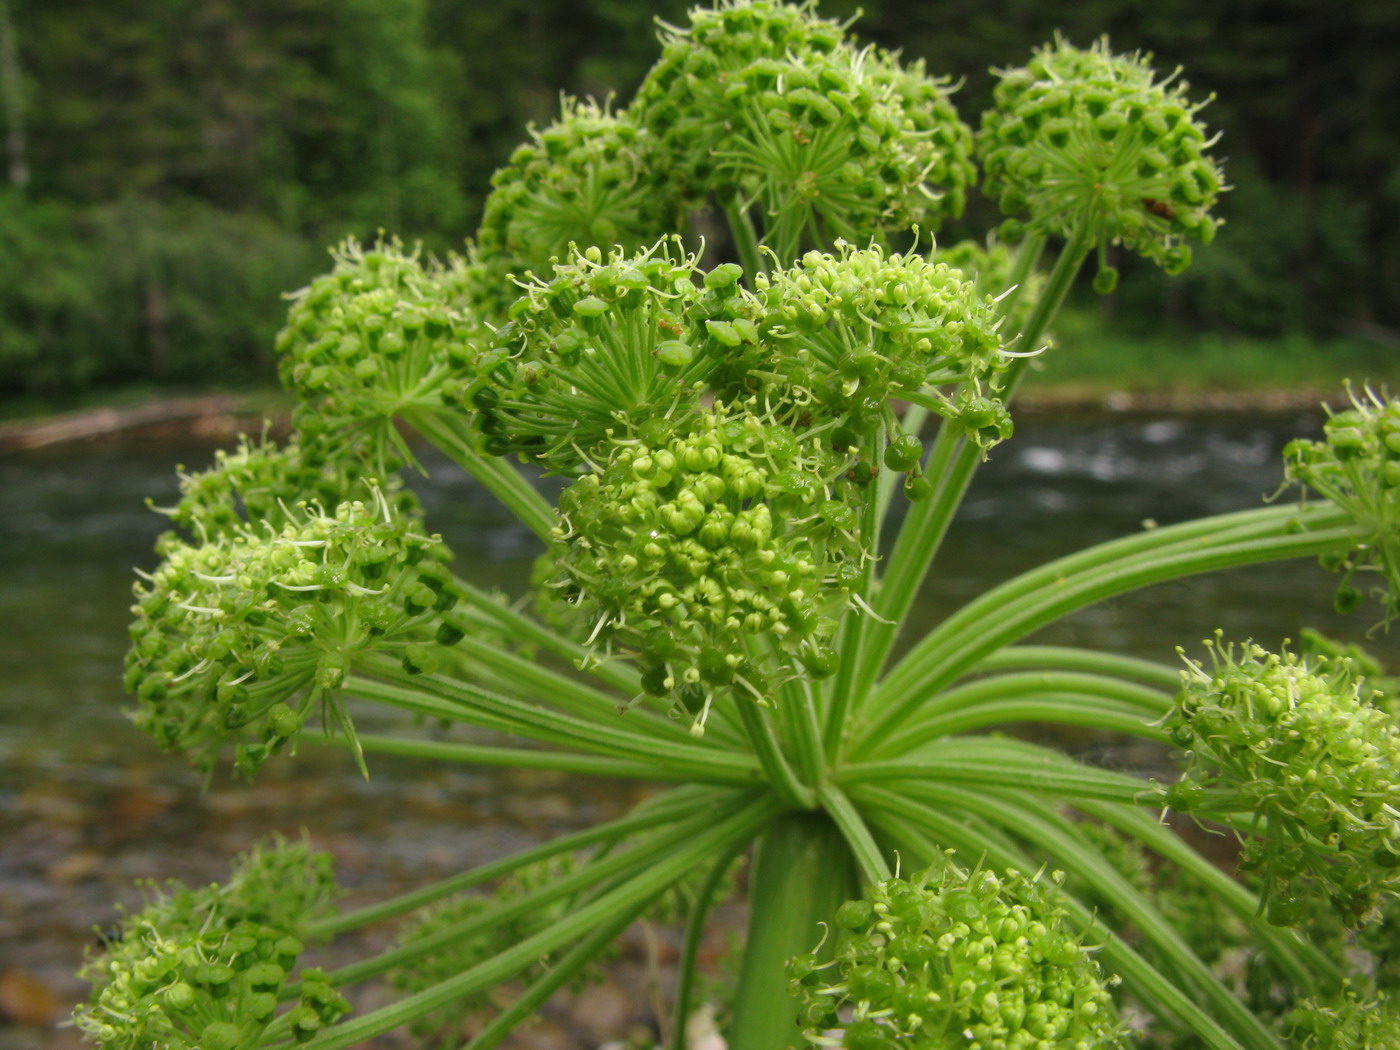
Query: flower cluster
[(1302, 748), (381, 334), (989, 264), (604, 346), (1357, 467), (259, 481), (1346, 1021), (957, 959), (765, 102), (241, 635), (714, 554), (592, 178), (845, 334), (205, 968), (1082, 136)]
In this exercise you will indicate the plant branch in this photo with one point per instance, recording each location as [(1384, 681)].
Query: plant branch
[(674, 805), (650, 880)]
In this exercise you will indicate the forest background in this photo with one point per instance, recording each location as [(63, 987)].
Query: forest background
[(171, 167)]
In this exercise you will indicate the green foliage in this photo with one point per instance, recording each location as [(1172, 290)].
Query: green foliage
[(179, 293), (257, 132)]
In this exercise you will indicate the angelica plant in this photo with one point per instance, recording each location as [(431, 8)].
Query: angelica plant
[(761, 448)]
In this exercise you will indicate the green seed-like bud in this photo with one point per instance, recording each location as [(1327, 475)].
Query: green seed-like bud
[(220, 1035)]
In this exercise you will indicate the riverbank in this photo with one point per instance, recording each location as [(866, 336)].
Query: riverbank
[(225, 416)]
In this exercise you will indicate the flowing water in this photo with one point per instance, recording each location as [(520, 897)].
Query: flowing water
[(88, 805)]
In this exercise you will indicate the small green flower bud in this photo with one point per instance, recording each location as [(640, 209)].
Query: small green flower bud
[(904, 452), (1106, 280), (419, 659), (220, 1035)]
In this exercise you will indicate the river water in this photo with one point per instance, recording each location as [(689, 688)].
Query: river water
[(88, 805)]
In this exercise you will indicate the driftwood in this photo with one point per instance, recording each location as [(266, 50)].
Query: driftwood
[(78, 426)]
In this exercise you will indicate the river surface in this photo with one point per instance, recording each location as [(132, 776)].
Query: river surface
[(88, 805)]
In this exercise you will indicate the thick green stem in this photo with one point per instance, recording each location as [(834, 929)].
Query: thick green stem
[(745, 239), (802, 873), (780, 775)]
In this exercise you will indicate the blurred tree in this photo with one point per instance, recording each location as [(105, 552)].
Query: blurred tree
[(311, 119), (12, 102), (329, 115)]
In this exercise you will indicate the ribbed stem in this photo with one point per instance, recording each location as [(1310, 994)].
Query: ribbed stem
[(801, 874)]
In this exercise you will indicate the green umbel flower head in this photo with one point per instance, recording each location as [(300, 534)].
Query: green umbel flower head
[(693, 544), (604, 346), (382, 335), (592, 179), (240, 636), (1303, 748), (843, 335), (1357, 467), (765, 102), (205, 968), (954, 960), (1088, 137)]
